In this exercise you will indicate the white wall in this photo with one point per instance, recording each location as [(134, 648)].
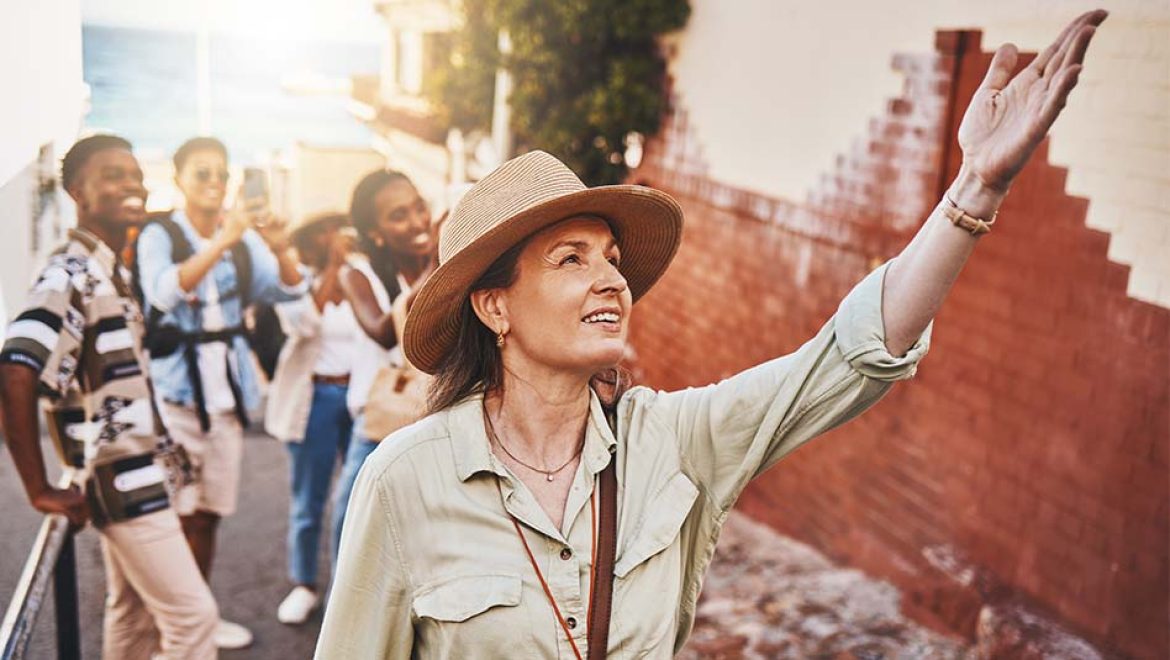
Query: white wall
[(775, 89), (43, 92)]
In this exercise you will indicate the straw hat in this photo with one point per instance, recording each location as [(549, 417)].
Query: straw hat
[(518, 199)]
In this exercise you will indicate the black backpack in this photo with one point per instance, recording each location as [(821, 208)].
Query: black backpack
[(181, 250)]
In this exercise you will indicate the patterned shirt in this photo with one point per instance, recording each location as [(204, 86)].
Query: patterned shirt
[(81, 331)]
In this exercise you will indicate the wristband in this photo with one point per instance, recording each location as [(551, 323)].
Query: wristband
[(964, 220)]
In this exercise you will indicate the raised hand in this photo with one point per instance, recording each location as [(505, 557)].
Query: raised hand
[(274, 230), (1009, 117)]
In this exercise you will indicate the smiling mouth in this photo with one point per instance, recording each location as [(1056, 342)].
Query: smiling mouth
[(134, 203), (603, 317)]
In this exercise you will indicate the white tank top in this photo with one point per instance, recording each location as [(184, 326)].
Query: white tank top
[(368, 355)]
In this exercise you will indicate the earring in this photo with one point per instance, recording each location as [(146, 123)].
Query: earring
[(500, 339)]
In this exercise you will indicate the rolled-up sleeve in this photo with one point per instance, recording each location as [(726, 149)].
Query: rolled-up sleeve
[(267, 286), (732, 431), (369, 611), (158, 274), (47, 336)]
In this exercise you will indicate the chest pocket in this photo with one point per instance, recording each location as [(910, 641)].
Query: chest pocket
[(661, 523), (460, 598)]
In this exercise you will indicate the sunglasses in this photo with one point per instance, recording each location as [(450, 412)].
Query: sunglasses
[(203, 175)]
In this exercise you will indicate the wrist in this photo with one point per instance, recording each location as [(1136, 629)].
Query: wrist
[(975, 197), (223, 243), (38, 491)]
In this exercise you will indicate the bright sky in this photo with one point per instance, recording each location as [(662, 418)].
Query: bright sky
[(334, 20)]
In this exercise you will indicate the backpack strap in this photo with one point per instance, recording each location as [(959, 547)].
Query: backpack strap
[(242, 261), (181, 250)]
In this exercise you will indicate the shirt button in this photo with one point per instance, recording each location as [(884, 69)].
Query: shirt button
[(566, 554), (571, 622)]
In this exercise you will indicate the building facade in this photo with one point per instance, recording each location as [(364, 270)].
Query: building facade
[(41, 78), (1024, 475)]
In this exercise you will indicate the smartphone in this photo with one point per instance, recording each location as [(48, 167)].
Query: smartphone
[(255, 190), (255, 185)]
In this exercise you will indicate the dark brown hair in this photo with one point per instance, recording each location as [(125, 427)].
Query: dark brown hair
[(473, 365), (81, 151), (364, 215), (203, 143)]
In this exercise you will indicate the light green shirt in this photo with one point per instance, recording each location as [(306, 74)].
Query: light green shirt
[(430, 564)]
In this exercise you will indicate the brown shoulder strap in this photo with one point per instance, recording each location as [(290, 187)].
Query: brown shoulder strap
[(601, 592)]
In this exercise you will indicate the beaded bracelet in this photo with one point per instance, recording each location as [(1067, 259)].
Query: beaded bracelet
[(964, 220)]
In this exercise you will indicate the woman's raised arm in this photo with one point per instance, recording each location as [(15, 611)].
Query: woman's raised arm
[(1007, 119)]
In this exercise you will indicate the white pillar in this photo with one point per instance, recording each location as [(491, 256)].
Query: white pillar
[(501, 114), (457, 152)]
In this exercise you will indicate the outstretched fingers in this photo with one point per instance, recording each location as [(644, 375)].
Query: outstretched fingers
[(1048, 62), (1080, 45), (1038, 65), (1066, 76), (1058, 95)]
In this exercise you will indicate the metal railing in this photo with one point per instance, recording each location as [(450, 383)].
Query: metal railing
[(52, 559)]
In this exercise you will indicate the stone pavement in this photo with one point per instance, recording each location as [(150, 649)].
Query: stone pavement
[(766, 596)]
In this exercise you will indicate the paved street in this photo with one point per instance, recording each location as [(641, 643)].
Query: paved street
[(766, 596), (248, 579)]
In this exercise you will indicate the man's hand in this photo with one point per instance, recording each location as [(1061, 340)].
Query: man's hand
[(273, 229), (68, 502), (235, 223)]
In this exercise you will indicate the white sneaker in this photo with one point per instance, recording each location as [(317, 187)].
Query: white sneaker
[(297, 605), (230, 635)]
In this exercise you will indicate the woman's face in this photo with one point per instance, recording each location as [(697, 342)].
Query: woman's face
[(569, 307), (402, 220)]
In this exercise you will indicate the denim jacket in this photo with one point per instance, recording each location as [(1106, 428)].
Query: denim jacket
[(160, 286)]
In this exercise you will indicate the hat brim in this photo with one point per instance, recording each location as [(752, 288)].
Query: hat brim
[(647, 224)]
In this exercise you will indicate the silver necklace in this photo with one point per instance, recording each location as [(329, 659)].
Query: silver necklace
[(549, 475)]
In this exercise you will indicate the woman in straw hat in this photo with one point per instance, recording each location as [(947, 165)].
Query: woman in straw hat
[(493, 528)]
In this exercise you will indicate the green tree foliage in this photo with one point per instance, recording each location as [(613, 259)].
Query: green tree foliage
[(585, 74)]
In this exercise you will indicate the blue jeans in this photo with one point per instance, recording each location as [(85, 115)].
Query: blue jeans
[(359, 448), (312, 460)]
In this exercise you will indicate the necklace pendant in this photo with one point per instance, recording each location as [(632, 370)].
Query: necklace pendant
[(549, 476)]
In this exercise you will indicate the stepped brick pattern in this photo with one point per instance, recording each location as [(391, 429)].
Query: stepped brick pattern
[(1027, 464)]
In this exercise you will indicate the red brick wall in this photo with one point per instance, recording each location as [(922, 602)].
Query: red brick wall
[(1032, 447)]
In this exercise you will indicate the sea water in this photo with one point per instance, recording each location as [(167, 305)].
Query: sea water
[(143, 87)]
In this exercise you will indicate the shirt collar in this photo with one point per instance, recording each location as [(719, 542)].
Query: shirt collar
[(473, 452), (96, 247)]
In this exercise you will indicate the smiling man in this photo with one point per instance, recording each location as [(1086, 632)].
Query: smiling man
[(200, 268), (78, 344)]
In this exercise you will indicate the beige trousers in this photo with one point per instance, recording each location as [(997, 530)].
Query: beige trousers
[(215, 455), (157, 604)]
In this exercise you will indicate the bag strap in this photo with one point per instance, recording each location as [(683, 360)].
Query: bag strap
[(242, 261), (601, 592)]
